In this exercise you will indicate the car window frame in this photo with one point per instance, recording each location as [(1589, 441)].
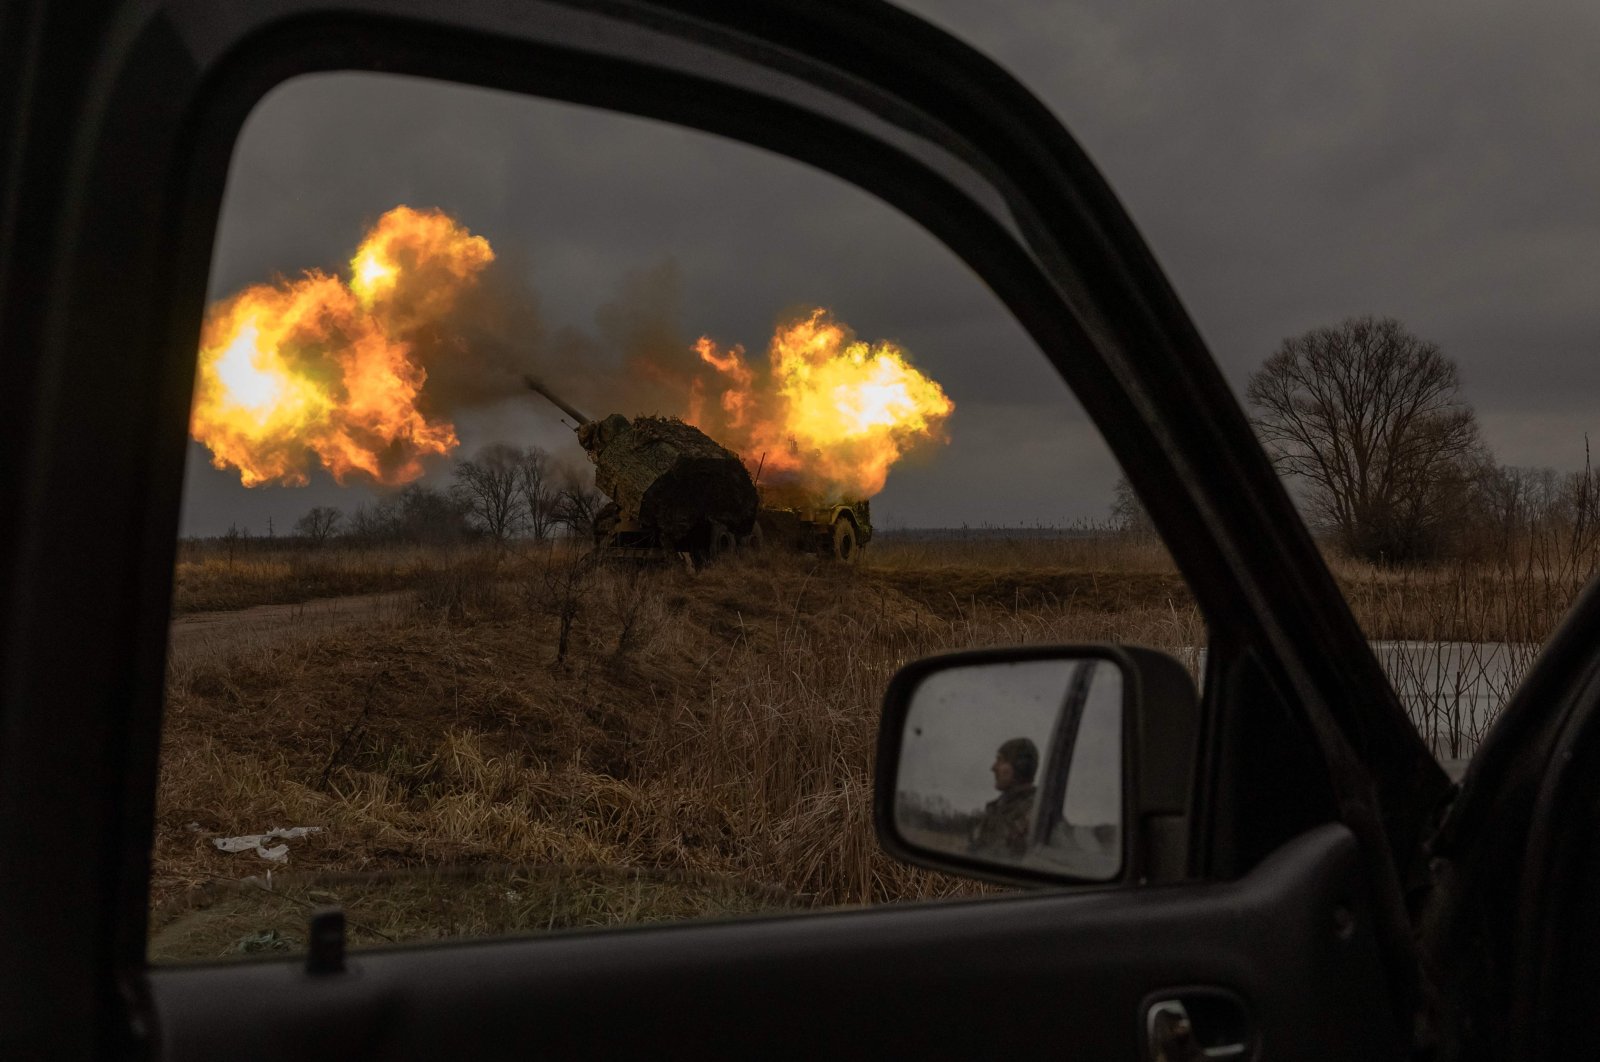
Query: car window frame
[(170, 89)]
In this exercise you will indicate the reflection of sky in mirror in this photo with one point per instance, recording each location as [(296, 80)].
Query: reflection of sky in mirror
[(959, 718), (1094, 787)]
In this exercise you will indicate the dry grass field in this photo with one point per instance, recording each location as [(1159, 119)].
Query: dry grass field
[(213, 578), (529, 741)]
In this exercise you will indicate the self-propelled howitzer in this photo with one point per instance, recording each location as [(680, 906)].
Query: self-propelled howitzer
[(670, 486)]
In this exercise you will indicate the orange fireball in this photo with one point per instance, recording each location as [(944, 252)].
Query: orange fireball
[(320, 370), (830, 415)]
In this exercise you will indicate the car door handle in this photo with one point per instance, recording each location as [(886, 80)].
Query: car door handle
[(1172, 1034)]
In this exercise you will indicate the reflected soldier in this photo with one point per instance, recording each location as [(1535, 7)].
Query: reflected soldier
[(1003, 830)]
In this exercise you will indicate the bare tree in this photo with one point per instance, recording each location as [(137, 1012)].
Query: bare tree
[(561, 593), (232, 538), (1368, 415), (374, 523), (1580, 504), (318, 523), (488, 489), (538, 494), (1512, 501), (578, 502), (425, 516), (1127, 513)]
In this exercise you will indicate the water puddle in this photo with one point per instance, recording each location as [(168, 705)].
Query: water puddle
[(1452, 690)]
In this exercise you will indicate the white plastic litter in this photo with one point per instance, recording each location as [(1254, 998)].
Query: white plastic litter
[(278, 853)]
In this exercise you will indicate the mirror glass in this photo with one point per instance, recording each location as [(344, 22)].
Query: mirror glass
[(1017, 763)]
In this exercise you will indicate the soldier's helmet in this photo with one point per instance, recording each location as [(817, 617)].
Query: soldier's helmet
[(1023, 755)]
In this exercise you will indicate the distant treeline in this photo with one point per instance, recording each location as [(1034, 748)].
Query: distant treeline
[(501, 493), (1384, 456)]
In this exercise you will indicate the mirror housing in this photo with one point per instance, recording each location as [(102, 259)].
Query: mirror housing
[(1158, 728)]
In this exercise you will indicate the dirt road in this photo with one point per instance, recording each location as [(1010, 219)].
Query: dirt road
[(209, 633)]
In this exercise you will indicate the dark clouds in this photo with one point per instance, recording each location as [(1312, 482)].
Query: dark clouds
[(1294, 164), (1290, 164)]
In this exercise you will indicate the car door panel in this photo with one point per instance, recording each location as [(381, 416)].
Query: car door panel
[(1049, 975)]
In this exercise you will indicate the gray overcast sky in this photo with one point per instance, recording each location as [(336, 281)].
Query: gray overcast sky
[(1290, 164)]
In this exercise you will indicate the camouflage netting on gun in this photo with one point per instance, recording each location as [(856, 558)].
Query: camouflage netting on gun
[(673, 478)]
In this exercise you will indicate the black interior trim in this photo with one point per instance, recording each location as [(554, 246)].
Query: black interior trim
[(1050, 975)]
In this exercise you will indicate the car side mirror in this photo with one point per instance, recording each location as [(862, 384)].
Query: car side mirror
[(1039, 765)]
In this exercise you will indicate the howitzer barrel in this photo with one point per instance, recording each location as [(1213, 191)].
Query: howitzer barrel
[(535, 385)]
